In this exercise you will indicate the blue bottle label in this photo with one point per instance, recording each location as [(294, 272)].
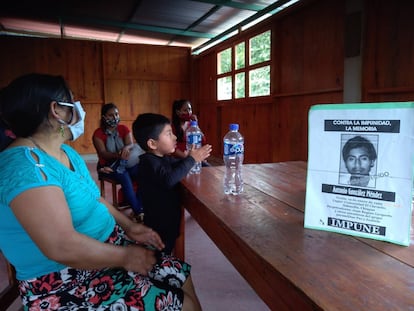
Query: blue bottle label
[(194, 139), (232, 149)]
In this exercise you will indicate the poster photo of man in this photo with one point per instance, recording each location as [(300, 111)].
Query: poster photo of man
[(358, 165)]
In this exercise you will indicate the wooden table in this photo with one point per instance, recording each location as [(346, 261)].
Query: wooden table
[(261, 232)]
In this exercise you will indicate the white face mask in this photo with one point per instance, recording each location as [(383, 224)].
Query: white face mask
[(78, 128)]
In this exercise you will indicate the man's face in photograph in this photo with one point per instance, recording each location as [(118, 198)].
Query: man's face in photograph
[(358, 162)]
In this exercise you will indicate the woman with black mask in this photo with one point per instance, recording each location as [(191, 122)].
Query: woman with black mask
[(116, 154)]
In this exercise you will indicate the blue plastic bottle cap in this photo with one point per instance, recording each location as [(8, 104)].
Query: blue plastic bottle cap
[(234, 127), (193, 123)]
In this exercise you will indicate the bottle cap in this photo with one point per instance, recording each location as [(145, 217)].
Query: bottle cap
[(193, 123), (234, 127)]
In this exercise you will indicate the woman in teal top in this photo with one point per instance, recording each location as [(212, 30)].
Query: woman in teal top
[(72, 249)]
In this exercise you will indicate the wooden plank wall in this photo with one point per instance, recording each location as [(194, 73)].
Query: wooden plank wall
[(137, 78), (388, 70)]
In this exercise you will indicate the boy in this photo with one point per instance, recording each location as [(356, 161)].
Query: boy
[(159, 174)]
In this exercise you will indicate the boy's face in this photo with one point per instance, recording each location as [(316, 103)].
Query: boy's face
[(166, 142), (358, 162)]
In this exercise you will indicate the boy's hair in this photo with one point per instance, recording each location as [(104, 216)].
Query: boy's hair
[(148, 126), (359, 142)]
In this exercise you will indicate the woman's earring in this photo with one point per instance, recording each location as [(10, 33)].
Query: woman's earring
[(62, 131)]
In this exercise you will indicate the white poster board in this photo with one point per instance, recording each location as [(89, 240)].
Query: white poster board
[(360, 170)]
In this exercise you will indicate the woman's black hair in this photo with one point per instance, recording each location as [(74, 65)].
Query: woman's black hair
[(175, 119), (104, 109), (25, 102)]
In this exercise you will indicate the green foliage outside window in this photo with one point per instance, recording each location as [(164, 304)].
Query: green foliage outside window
[(240, 85), (260, 48), (224, 61), (240, 55), (259, 81)]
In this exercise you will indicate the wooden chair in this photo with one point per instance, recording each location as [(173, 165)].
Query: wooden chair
[(114, 185), (115, 198), (11, 292)]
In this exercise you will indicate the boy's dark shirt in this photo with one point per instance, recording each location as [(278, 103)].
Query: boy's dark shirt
[(158, 179)]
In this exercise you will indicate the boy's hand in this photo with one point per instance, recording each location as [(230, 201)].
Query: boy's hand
[(200, 154)]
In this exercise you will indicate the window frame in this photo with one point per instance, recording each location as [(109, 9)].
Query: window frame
[(246, 69)]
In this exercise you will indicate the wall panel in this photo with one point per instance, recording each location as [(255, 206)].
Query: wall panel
[(170, 91), (17, 56), (138, 78), (388, 56), (309, 49), (133, 96), (204, 103), (143, 78), (255, 123), (291, 133)]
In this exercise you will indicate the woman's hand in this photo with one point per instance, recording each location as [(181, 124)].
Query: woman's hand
[(106, 169), (144, 235), (139, 259), (124, 152), (193, 117)]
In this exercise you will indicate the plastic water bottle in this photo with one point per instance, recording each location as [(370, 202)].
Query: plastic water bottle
[(233, 160), (194, 137)]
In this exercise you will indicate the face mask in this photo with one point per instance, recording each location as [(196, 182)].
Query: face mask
[(111, 122), (78, 128), (185, 116)]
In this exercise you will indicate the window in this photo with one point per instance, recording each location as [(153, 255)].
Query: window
[(238, 71), (224, 61)]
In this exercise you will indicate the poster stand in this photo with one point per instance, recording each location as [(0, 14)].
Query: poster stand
[(360, 170)]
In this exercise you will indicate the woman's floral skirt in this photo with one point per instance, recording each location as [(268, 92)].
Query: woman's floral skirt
[(108, 289)]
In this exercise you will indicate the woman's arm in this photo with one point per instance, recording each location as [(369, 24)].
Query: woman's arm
[(44, 214), (101, 150), (128, 144)]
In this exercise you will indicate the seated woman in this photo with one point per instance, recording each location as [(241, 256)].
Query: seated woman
[(114, 145), (181, 116), (72, 250)]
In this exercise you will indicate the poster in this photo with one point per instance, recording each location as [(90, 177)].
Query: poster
[(360, 170)]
